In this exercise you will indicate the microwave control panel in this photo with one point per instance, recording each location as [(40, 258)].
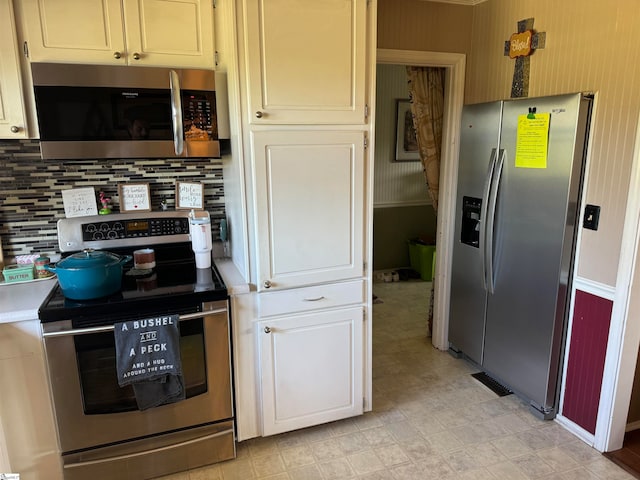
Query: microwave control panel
[(199, 115)]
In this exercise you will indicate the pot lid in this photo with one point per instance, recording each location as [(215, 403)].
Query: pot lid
[(89, 258)]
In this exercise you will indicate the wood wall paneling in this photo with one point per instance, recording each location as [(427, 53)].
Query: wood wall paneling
[(585, 365)]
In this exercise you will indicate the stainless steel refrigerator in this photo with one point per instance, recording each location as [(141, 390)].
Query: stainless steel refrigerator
[(518, 200)]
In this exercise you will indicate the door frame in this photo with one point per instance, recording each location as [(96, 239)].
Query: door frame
[(454, 63), (624, 335)]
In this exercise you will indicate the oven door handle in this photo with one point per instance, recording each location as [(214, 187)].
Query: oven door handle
[(109, 328)]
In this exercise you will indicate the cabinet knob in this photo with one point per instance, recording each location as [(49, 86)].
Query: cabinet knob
[(117, 55), (267, 284), (136, 56), (258, 114), (15, 129), (267, 330)]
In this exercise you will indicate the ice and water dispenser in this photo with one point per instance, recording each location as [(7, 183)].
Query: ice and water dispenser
[(470, 229)]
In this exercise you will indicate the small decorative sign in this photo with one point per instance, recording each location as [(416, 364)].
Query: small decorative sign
[(520, 44), (79, 202), (189, 196), (134, 197)]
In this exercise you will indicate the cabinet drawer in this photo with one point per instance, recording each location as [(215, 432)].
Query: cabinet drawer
[(310, 298)]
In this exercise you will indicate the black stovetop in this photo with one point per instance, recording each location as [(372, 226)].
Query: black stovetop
[(175, 285)]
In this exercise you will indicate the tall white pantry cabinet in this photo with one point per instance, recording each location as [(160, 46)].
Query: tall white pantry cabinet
[(305, 88)]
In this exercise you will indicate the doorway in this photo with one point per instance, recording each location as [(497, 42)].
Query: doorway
[(402, 210), (454, 95)]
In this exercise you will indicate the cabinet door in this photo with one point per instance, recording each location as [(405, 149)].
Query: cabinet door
[(311, 369), (306, 61), (309, 206), (75, 31), (170, 33), (12, 114)]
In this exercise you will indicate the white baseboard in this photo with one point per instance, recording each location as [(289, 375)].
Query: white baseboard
[(632, 426)]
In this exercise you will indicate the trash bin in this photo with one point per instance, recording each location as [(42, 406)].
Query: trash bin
[(422, 259)]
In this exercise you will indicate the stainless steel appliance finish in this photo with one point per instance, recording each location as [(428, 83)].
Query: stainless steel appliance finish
[(97, 111), (514, 244), (88, 438), (101, 432)]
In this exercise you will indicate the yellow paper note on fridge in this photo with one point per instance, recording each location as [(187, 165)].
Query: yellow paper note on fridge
[(532, 141)]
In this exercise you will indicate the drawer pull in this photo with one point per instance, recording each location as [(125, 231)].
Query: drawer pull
[(267, 330), (314, 299)]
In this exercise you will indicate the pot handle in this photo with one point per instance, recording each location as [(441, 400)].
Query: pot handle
[(125, 259), (49, 267)]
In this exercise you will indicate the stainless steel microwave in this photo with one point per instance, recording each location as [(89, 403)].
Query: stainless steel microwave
[(93, 111)]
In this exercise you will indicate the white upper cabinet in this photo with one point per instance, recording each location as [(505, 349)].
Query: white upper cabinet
[(12, 113), (170, 33), (310, 202), (307, 61)]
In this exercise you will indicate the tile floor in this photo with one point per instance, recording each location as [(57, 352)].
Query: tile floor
[(431, 420)]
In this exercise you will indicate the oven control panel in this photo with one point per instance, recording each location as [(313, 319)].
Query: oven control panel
[(123, 230), (135, 228)]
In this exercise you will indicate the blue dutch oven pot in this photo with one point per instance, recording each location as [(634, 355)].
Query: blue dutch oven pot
[(89, 274)]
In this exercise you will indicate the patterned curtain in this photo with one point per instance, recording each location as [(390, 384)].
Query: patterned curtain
[(426, 91)]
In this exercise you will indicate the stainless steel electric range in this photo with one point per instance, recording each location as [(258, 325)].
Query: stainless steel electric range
[(102, 434)]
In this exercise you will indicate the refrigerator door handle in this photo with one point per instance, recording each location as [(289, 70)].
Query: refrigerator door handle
[(490, 223), (483, 214)]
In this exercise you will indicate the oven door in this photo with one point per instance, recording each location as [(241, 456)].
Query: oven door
[(93, 410)]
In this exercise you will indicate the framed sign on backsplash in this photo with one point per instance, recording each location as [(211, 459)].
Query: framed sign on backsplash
[(189, 196), (134, 197)]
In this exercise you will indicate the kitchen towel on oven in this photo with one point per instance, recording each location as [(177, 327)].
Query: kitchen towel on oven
[(148, 359)]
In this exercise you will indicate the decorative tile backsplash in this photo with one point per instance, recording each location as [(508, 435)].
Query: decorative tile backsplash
[(31, 198)]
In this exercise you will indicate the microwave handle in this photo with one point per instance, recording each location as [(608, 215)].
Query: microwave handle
[(176, 112)]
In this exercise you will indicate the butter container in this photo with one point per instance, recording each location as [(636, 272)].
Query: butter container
[(18, 272)]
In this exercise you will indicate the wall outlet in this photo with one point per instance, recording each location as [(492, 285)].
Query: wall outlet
[(591, 217)]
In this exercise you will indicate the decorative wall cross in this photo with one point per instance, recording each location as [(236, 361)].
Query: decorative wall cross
[(520, 46)]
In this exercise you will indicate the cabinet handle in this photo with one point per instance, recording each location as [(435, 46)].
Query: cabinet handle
[(117, 55), (136, 56), (15, 129), (267, 284), (267, 330), (314, 299), (258, 114)]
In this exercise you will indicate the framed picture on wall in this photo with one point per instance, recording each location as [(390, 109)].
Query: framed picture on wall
[(406, 141)]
